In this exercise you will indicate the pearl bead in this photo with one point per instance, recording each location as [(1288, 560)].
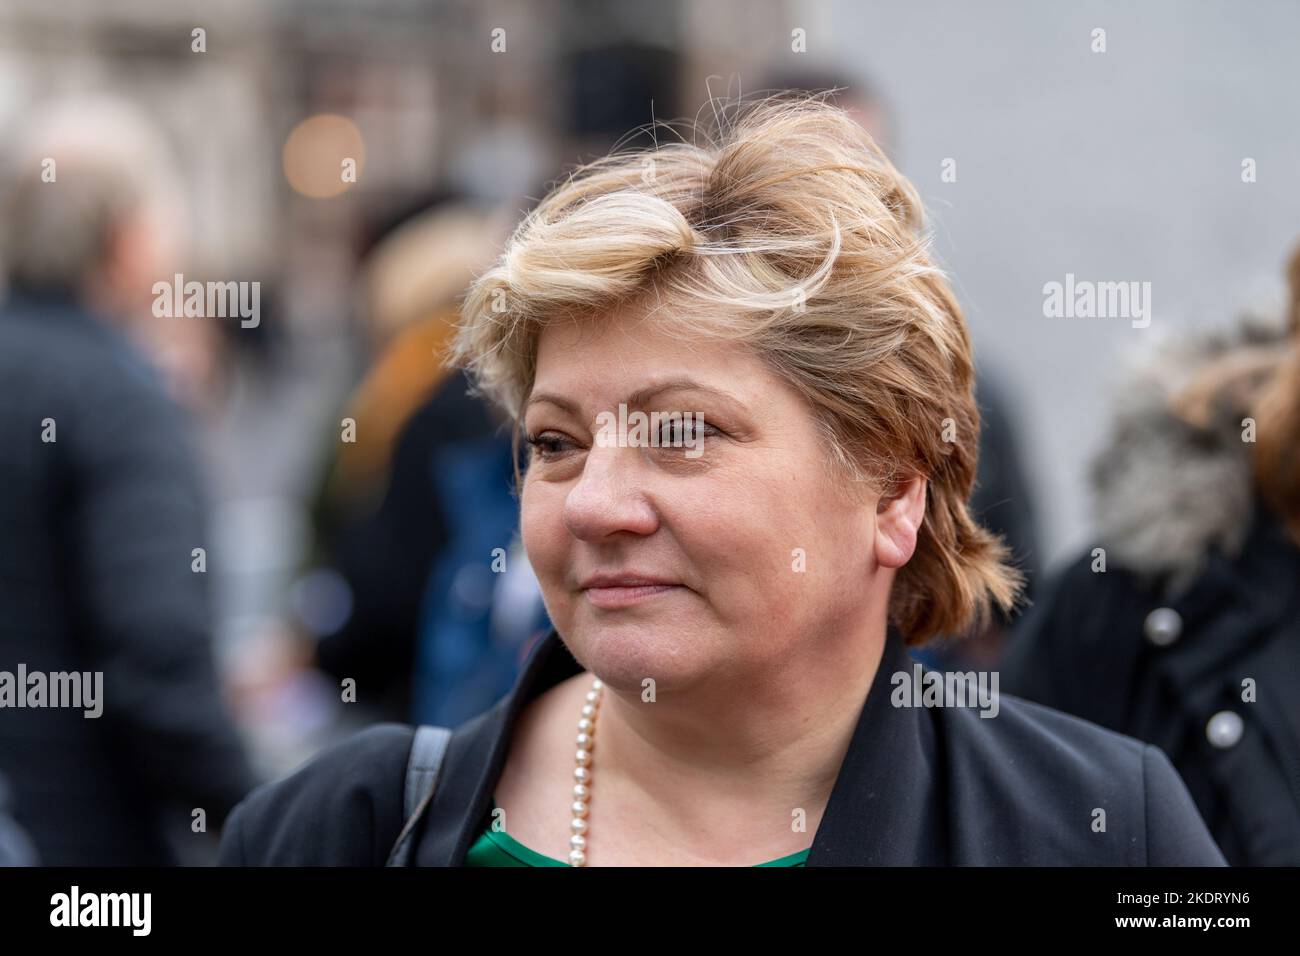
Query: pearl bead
[(582, 775)]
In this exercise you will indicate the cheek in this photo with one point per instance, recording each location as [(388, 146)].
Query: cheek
[(843, 533), (743, 538), (541, 527), (793, 549), (534, 519)]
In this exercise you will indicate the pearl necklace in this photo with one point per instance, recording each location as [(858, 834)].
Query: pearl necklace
[(582, 775)]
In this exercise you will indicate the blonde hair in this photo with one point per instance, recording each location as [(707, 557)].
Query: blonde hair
[(789, 231)]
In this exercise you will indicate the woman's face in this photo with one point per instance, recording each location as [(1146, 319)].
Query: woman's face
[(763, 554)]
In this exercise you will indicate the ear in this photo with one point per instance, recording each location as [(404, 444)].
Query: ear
[(899, 514), (133, 247), (119, 269)]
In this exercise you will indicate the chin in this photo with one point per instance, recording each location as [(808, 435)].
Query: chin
[(623, 652)]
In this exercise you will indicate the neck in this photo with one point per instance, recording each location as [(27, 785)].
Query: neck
[(752, 749)]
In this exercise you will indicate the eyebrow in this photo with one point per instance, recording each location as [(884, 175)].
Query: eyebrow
[(640, 397)]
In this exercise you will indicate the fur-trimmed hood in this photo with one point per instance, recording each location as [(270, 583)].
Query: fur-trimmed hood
[(1165, 491)]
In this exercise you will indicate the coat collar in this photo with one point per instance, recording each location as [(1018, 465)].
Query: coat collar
[(884, 809)]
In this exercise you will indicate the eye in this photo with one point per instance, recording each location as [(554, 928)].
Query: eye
[(674, 433), (547, 445)]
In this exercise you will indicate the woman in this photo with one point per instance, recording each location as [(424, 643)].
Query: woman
[(733, 590), (1190, 639)]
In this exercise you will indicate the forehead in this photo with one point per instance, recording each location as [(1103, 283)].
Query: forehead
[(626, 348)]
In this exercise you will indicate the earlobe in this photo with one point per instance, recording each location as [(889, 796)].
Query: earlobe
[(898, 521)]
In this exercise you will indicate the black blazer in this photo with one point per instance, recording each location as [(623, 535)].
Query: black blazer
[(917, 786)]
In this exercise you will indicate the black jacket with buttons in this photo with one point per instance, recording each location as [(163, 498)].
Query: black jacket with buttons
[(918, 785), (1179, 672)]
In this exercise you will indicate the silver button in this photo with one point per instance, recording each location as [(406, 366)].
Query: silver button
[(1225, 729), (1163, 626)]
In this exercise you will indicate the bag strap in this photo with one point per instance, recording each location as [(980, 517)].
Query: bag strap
[(428, 747)]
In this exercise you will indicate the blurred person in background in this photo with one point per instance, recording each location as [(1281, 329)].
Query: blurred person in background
[(1003, 500), (402, 592), (103, 504), (1182, 627)]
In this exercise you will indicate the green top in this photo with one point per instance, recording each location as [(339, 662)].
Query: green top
[(499, 848)]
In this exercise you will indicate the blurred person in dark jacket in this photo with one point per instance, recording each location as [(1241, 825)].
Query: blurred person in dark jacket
[(1181, 625), (379, 526), (399, 595), (102, 508)]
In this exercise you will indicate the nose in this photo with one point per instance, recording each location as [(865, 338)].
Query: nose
[(609, 496)]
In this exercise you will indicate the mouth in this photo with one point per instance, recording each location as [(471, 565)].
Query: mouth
[(609, 591), (617, 596)]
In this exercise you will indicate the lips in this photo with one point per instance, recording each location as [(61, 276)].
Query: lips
[(625, 579), (611, 591)]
